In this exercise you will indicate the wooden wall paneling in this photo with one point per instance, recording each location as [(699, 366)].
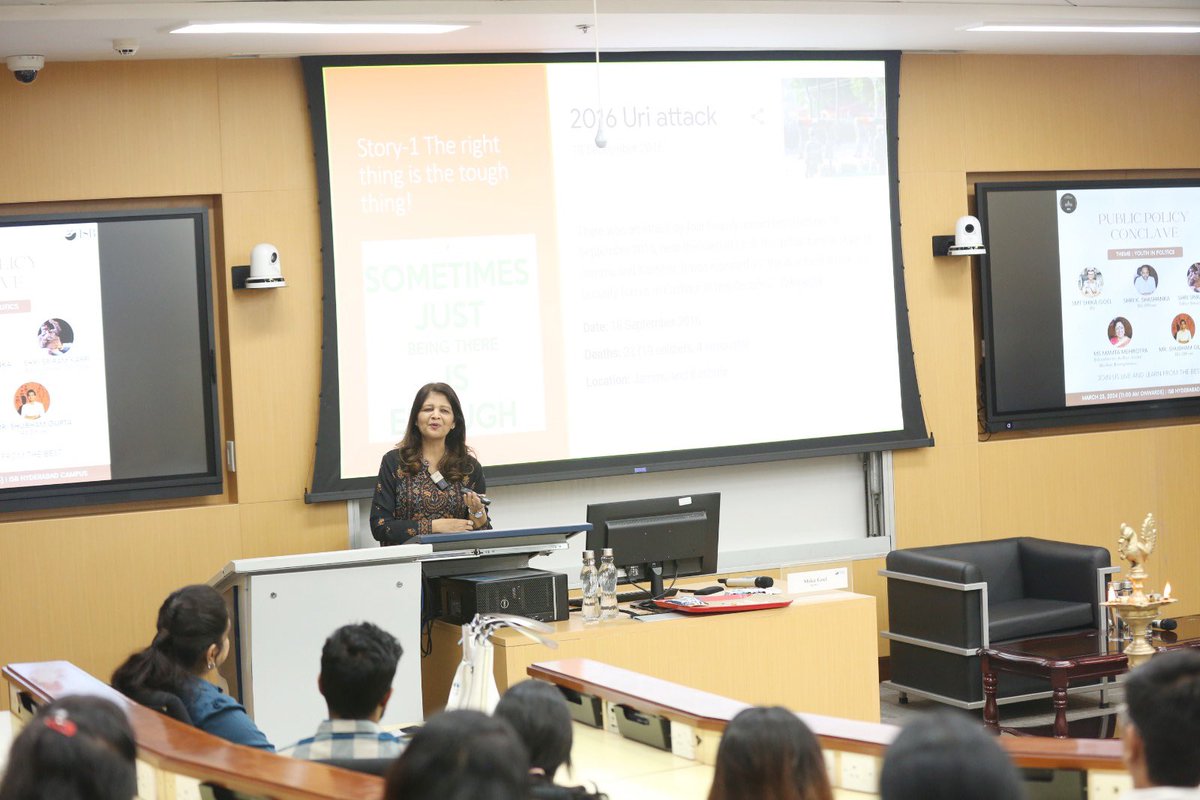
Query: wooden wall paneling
[(285, 527), (1168, 112), (931, 115), (1177, 507), (1080, 488), (937, 489), (1075, 488), (275, 343), (109, 129), (937, 495), (865, 579), (88, 589), (940, 302), (265, 139), (1052, 112)]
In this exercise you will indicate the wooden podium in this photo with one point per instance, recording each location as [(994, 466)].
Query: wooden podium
[(818, 655), (284, 607)]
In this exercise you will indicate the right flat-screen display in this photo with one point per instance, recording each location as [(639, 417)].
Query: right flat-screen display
[(1090, 301)]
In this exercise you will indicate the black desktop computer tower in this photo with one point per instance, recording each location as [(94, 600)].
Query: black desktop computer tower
[(532, 593)]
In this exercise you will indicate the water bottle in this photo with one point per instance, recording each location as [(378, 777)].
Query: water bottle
[(608, 585), (589, 578)]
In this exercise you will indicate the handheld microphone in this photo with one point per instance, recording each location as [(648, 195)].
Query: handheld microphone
[(761, 582), (1164, 624)]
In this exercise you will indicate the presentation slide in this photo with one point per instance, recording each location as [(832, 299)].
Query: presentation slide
[(55, 430), (719, 273), (1129, 263)]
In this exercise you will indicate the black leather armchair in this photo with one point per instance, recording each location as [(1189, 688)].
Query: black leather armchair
[(946, 602)]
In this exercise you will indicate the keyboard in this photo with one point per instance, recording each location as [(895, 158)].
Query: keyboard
[(624, 597)]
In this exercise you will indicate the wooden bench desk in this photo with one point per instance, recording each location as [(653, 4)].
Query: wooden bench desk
[(172, 749), (842, 740)]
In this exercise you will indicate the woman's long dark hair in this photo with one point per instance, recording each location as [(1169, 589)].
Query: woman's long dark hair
[(456, 464), (538, 713), (460, 755), (76, 748), (191, 620), (769, 754)]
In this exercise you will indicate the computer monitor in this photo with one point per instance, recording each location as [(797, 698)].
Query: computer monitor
[(671, 536)]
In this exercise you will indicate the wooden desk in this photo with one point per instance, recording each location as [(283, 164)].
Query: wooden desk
[(818, 655), (169, 752)]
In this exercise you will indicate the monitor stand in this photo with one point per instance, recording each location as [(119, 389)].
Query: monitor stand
[(656, 583)]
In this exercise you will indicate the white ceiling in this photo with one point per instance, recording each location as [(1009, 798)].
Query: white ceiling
[(82, 30)]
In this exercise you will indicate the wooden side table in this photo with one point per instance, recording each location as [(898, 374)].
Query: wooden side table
[(1073, 657), (1061, 659)]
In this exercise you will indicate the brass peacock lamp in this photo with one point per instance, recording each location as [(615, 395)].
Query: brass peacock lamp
[(1138, 609)]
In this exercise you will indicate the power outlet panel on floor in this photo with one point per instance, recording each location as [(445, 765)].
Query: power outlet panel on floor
[(684, 740), (1103, 784), (610, 717), (859, 773)]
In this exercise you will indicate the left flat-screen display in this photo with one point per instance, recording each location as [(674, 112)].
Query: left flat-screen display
[(107, 374)]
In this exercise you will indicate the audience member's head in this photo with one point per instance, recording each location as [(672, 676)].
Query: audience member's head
[(769, 754), (358, 663), (538, 713), (76, 748), (192, 638), (1161, 729), (461, 755), (945, 755)]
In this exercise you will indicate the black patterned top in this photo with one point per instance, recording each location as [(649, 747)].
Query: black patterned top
[(406, 505)]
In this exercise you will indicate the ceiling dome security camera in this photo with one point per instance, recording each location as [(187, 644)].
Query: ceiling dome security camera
[(25, 68)]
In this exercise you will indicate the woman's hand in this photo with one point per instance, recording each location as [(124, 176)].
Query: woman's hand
[(451, 525), (475, 508)]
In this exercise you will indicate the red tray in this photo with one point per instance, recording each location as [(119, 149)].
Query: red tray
[(725, 604)]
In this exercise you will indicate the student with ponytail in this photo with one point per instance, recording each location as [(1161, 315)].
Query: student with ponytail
[(191, 642), (76, 748)]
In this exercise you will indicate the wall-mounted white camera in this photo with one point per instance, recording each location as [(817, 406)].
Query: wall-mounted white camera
[(265, 271), (968, 238), (25, 68)]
